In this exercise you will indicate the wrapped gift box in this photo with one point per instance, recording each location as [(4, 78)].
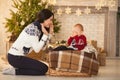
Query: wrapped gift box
[(102, 59), (74, 61)]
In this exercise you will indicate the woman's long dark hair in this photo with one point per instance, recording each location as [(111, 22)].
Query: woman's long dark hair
[(43, 15)]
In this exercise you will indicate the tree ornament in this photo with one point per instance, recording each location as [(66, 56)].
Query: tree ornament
[(39, 3), (22, 22), (43, 1)]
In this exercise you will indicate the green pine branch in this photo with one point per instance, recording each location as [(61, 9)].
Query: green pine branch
[(25, 14)]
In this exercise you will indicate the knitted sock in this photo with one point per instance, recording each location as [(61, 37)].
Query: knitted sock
[(9, 71)]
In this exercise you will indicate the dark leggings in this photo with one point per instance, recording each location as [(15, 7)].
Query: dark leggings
[(27, 66)]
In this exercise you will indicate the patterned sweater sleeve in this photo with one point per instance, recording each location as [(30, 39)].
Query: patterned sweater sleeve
[(34, 39), (38, 45)]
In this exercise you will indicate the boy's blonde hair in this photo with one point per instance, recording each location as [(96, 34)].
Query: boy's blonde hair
[(79, 26)]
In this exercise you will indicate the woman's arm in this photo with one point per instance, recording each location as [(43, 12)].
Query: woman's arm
[(32, 34), (38, 45)]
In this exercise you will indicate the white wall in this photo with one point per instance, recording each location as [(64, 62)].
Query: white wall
[(5, 5), (93, 26)]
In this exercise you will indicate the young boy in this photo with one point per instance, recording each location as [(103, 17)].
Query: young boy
[(77, 40)]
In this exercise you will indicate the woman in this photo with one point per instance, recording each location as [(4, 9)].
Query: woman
[(33, 37)]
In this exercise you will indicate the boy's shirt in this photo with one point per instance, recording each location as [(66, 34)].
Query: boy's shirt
[(78, 42)]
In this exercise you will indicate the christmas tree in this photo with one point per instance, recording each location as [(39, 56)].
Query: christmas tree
[(25, 13)]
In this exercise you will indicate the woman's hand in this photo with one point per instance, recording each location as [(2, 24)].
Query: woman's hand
[(51, 29), (44, 30)]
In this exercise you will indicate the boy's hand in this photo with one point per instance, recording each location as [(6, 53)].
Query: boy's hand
[(74, 33)]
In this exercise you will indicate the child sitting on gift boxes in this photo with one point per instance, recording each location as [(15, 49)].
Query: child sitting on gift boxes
[(77, 41)]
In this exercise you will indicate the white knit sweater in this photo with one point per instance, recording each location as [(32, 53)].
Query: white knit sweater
[(28, 40)]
